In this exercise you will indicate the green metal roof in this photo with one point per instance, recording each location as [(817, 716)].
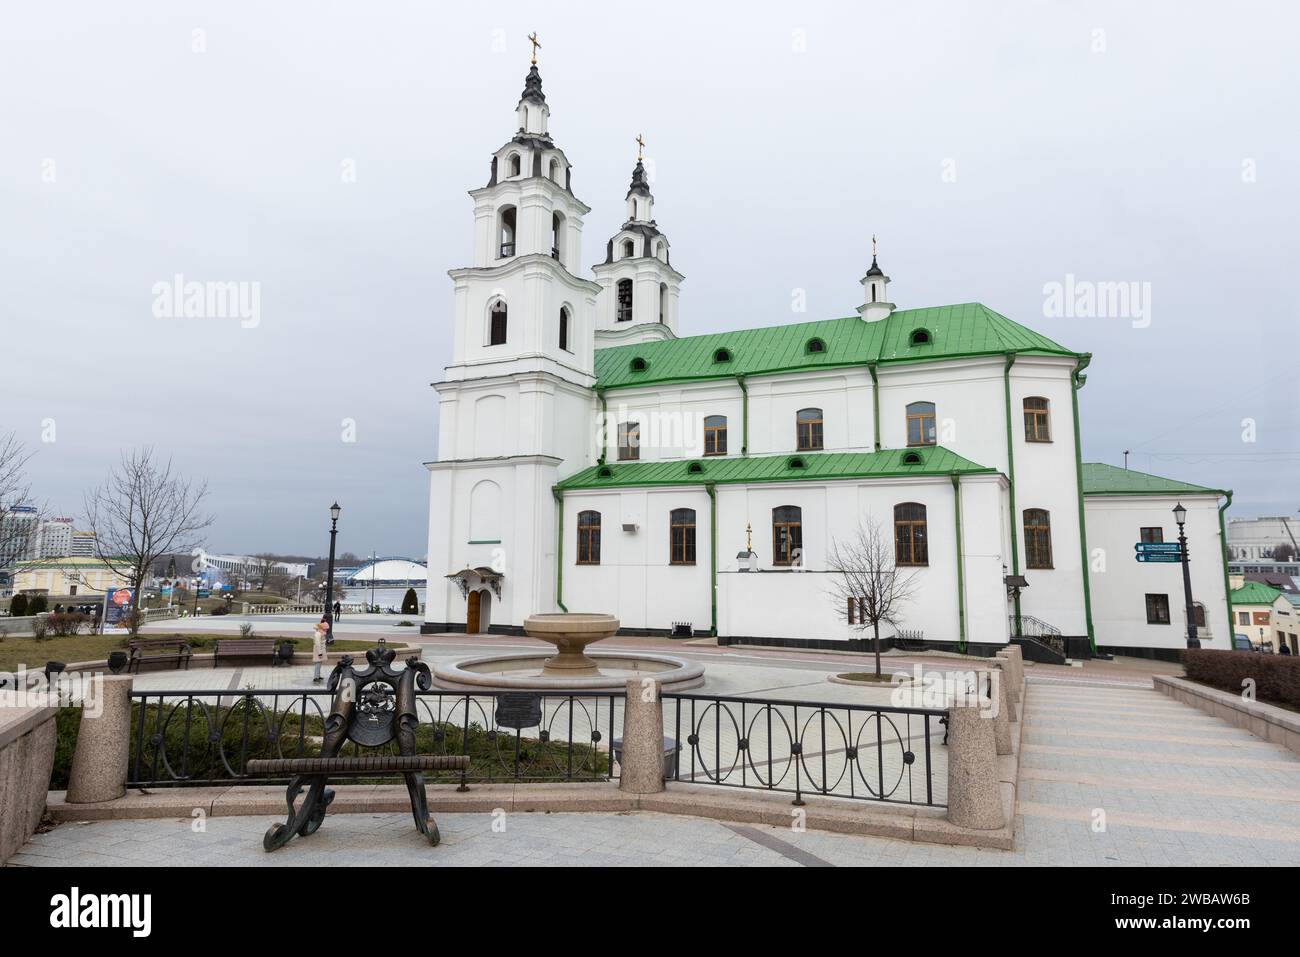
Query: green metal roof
[(967, 329), (817, 467), (1099, 479), (1255, 593)]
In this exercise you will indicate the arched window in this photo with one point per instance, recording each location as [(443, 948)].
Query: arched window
[(722, 355), (787, 535), (589, 538), (628, 249), (1038, 538), (629, 441), (663, 300), (564, 328), (715, 435), (920, 423), (497, 324), (1198, 615), (919, 337), (808, 430), (681, 536), (555, 170), (911, 535), (660, 253), (623, 301), (816, 345), (557, 237), (507, 232), (513, 165), (1038, 426)]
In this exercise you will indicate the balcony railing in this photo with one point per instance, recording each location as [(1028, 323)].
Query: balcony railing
[(507, 250)]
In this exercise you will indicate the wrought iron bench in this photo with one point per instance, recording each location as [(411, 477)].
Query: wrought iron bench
[(245, 648), (370, 708), (158, 649)]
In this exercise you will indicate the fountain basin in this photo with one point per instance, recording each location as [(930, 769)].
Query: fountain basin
[(570, 668)]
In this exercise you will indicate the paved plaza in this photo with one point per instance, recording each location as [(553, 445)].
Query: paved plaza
[(1111, 773)]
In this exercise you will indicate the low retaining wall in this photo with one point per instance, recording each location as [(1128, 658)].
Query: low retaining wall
[(27, 741), (1262, 720)]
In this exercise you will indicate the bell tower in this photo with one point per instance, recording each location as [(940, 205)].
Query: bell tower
[(521, 305), (639, 287)]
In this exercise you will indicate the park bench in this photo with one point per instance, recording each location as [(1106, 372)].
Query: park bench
[(244, 648), (143, 650), (370, 708)]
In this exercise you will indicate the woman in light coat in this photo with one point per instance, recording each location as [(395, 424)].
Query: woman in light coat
[(318, 648)]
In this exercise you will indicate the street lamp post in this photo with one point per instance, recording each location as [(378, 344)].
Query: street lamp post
[(329, 577), (1180, 516)]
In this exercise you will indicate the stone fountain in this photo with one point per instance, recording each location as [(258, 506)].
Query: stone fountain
[(570, 668)]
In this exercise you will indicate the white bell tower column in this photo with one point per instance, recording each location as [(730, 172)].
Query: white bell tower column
[(875, 283)]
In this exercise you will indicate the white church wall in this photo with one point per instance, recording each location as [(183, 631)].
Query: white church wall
[(1047, 478), (985, 546), (1120, 583), (635, 580), (968, 404)]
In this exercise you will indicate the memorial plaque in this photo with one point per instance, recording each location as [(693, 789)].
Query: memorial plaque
[(519, 710)]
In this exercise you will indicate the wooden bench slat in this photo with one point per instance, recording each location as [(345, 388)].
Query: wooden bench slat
[(366, 764)]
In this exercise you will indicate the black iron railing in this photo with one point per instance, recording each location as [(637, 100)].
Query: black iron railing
[(208, 737), (863, 752), (507, 250)]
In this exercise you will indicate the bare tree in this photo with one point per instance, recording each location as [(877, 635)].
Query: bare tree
[(868, 587), (17, 528), (144, 510), (1284, 553)]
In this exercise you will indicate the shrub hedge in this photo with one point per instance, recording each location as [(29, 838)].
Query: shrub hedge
[(1276, 677)]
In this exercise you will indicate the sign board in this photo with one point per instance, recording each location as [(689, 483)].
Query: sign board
[(117, 604), (519, 710), (1153, 548), (1158, 557)]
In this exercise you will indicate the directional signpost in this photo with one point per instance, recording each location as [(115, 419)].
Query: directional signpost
[(1170, 552)]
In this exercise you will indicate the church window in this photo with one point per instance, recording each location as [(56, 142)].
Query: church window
[(555, 170), (628, 249), (920, 337), (623, 302), (663, 301), (629, 441), (638, 365), (816, 345), (513, 164), (1038, 538), (589, 538), (497, 324), (808, 430), (1037, 424), (715, 435), (1151, 535), (911, 534), (722, 355), (920, 423), (507, 237), (681, 536), (564, 328), (695, 468), (557, 237), (1157, 609), (912, 458), (796, 462), (787, 535)]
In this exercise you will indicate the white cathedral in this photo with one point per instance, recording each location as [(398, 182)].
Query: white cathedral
[(592, 459)]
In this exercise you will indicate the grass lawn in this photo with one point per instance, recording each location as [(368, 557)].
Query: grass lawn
[(34, 654)]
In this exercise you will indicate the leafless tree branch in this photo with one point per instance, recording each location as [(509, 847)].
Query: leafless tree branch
[(867, 585)]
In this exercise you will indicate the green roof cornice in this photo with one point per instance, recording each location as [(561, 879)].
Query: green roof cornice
[(793, 467)]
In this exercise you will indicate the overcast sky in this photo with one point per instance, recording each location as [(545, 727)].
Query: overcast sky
[(993, 147)]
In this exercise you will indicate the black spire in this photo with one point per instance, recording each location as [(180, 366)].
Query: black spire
[(875, 270), (640, 185), (533, 86)]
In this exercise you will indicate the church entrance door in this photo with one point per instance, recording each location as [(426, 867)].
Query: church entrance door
[(472, 613)]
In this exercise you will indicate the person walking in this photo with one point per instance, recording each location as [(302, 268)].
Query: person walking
[(318, 649), (338, 610)]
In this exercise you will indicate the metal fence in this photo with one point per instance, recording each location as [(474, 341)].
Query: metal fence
[(208, 737), (862, 752)]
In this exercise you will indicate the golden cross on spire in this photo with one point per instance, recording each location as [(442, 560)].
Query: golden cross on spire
[(749, 537), (640, 146), (532, 38), (873, 245)]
